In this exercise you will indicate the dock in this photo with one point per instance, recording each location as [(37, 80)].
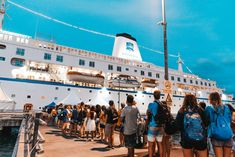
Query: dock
[(29, 137), (10, 119), (60, 146)]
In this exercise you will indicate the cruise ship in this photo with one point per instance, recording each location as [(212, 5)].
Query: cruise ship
[(40, 72)]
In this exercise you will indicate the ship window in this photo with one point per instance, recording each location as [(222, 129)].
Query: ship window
[(91, 64), (2, 46), (55, 98), (59, 58), (149, 74), (201, 83), (142, 73), (119, 68), (110, 67), (209, 84), (157, 75), (205, 84), (127, 69), (172, 78), (56, 88), (185, 80), (2, 58), (28, 96), (178, 79), (81, 62), (47, 56), (196, 82), (191, 81), (68, 89), (17, 62), (20, 51), (135, 71), (13, 95)]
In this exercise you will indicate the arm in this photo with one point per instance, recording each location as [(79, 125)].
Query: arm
[(180, 120), (207, 116)]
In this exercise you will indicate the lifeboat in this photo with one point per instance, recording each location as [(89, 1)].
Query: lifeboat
[(151, 83), (85, 77), (124, 81)]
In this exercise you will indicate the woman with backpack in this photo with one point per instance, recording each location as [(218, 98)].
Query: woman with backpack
[(219, 129), (191, 122)]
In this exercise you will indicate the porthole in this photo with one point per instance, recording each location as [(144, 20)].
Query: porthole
[(2, 46), (28, 96)]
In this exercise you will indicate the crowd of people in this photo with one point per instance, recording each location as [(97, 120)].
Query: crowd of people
[(204, 129)]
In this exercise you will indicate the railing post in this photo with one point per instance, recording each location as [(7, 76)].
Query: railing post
[(35, 135)]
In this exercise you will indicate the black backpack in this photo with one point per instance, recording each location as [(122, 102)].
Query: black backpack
[(163, 114), (171, 126), (115, 116)]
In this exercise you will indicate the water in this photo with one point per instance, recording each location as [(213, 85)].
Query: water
[(7, 141)]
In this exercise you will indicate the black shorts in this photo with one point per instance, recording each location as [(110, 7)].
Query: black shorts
[(130, 141), (122, 129), (200, 145), (102, 126)]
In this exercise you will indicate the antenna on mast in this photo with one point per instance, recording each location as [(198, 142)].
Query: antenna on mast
[(2, 13)]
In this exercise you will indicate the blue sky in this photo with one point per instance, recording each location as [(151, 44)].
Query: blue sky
[(202, 31)]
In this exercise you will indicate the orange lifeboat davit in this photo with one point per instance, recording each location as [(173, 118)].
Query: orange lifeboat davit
[(124, 81), (151, 83), (85, 77)]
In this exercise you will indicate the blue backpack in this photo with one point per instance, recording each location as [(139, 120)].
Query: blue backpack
[(194, 130), (220, 125)]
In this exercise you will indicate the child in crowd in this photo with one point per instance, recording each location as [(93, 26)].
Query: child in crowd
[(102, 124), (90, 126)]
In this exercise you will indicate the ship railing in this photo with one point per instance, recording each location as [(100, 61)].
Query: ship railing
[(28, 137)]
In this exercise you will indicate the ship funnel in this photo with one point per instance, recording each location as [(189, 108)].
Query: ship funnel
[(125, 46)]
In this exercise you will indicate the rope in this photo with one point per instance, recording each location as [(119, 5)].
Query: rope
[(187, 68), (77, 27), (160, 52), (59, 21)]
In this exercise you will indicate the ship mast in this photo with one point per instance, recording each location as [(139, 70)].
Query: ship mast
[(164, 24), (167, 84), (2, 13)]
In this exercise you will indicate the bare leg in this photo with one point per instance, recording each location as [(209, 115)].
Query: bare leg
[(227, 151), (202, 153), (151, 148), (218, 151), (131, 152), (160, 149), (188, 152)]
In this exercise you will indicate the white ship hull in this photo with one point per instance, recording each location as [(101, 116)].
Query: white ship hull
[(41, 93)]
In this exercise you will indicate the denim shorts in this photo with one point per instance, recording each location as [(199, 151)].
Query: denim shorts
[(130, 140), (155, 134), (218, 143)]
